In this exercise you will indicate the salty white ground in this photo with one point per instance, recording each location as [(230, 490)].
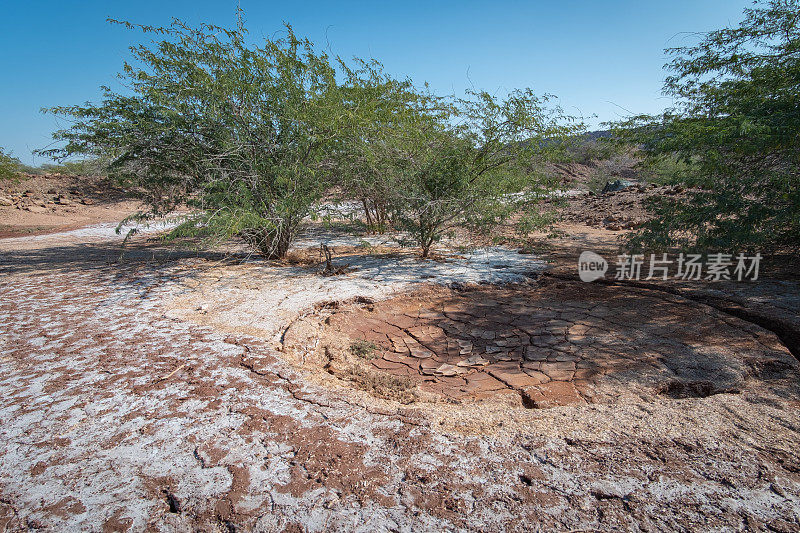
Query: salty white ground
[(123, 410), (105, 232), (264, 299)]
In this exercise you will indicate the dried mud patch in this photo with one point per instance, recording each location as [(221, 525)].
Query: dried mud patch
[(120, 415), (556, 343)]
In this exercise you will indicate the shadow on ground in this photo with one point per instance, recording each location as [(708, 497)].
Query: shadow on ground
[(557, 343)]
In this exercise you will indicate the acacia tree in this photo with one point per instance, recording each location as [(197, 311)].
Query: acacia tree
[(241, 132), (381, 110), (250, 136), (427, 164), (460, 163), (9, 166), (734, 131)]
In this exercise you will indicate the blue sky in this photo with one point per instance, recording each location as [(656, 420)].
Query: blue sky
[(600, 57)]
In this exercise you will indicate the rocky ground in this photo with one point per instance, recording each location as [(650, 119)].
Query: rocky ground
[(171, 390), (45, 203), (618, 210)]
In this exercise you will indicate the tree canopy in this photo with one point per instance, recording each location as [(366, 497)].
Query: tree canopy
[(9, 166), (735, 129), (239, 132), (467, 169), (251, 136)]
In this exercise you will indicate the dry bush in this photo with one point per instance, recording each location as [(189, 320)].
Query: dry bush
[(387, 386)]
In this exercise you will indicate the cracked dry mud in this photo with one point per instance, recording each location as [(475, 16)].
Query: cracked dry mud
[(556, 343), (121, 414)]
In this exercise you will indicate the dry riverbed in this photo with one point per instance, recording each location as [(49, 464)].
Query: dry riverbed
[(173, 390)]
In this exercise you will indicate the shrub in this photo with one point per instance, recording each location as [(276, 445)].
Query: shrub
[(9, 166), (463, 164), (363, 349), (239, 132), (732, 137)]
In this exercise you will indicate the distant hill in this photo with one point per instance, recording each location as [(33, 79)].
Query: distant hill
[(597, 134)]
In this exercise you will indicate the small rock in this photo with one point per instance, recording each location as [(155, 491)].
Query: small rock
[(614, 186), (428, 366), (87, 201), (532, 353), (398, 345), (465, 347), (544, 340)]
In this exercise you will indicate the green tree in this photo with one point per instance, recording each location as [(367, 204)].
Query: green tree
[(252, 136), (462, 162), (240, 132), (9, 166), (735, 134), (382, 110)]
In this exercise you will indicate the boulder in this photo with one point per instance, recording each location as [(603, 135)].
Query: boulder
[(614, 186)]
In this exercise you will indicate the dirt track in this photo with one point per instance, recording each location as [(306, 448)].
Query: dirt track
[(120, 413)]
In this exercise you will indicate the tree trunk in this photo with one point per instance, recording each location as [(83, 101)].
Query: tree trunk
[(326, 252), (380, 217), (366, 212), (376, 214), (273, 244), (427, 238)]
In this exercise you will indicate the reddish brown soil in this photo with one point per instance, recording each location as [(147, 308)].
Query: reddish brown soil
[(620, 210), (118, 416), (558, 343)]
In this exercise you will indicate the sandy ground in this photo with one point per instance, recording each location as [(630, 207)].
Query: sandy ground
[(157, 391)]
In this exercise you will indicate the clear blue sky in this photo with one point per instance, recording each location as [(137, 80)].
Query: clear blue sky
[(599, 57)]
